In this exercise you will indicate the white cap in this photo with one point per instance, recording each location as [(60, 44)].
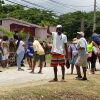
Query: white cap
[(81, 33), (59, 26)]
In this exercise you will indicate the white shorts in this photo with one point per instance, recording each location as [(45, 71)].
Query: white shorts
[(5, 57)]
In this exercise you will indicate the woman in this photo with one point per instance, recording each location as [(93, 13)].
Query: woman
[(20, 47), (74, 54), (30, 52)]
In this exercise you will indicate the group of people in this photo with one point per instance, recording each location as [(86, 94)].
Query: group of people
[(78, 53), (14, 50)]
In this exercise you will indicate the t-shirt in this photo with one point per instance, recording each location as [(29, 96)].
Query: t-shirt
[(74, 49), (5, 46), (58, 43), (96, 38), (89, 47), (20, 47), (82, 43), (29, 50), (38, 48)]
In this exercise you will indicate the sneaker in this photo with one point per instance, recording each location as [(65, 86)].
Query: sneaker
[(79, 77), (84, 79), (54, 80), (19, 69)]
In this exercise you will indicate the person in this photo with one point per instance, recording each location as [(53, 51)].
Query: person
[(45, 47), (1, 53), (38, 55), (30, 52), (12, 50), (20, 47), (96, 42), (5, 46), (89, 50), (57, 52), (74, 51), (82, 56)]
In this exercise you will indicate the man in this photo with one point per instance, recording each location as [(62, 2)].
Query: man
[(58, 56), (82, 56), (38, 55), (96, 42)]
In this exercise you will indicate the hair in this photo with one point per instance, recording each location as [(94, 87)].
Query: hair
[(5, 38), (16, 37), (31, 38), (95, 31)]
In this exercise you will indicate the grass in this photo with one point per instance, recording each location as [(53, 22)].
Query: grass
[(43, 90)]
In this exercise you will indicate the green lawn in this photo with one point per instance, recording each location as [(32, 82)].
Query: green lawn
[(43, 90)]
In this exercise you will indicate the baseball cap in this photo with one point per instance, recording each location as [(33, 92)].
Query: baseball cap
[(59, 26)]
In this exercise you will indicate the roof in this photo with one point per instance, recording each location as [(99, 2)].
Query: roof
[(23, 22)]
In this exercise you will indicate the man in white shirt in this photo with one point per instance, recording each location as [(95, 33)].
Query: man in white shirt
[(58, 48), (82, 56)]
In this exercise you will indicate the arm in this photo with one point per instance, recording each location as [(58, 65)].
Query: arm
[(48, 31), (95, 44), (66, 50)]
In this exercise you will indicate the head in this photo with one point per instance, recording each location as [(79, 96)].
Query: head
[(16, 37), (5, 38), (95, 31), (89, 40), (75, 41), (80, 34), (59, 29), (31, 39)]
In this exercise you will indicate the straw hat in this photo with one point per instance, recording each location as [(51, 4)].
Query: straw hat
[(81, 33)]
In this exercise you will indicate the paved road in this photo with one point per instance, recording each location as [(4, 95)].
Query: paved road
[(13, 77)]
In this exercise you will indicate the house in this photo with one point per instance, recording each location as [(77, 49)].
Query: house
[(12, 24)]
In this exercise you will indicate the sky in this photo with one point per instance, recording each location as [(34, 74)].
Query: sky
[(62, 6)]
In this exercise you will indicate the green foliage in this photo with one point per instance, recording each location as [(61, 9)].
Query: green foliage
[(6, 33), (71, 22)]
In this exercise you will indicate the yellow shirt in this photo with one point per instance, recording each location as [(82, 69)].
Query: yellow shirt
[(38, 48), (89, 47)]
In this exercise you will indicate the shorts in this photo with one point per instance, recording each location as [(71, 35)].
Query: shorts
[(0, 57), (57, 59), (81, 61), (5, 57), (73, 60), (38, 57)]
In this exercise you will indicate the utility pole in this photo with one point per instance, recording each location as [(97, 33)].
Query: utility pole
[(94, 19), (82, 25)]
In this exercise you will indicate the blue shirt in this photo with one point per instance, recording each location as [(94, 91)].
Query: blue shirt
[(30, 50)]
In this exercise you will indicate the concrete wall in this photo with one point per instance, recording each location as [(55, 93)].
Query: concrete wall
[(41, 33)]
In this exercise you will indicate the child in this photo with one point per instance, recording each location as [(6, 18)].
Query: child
[(5, 47)]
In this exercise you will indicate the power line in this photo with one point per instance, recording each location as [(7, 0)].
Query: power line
[(17, 3), (68, 4), (31, 7), (40, 6), (59, 3)]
